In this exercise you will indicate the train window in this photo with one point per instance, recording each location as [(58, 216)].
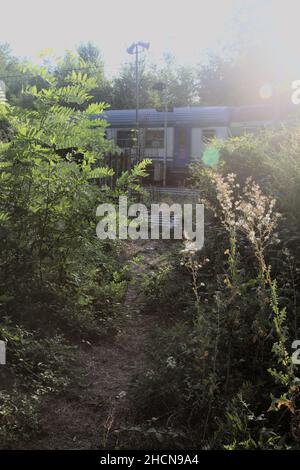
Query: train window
[(125, 139), (154, 138), (208, 135)]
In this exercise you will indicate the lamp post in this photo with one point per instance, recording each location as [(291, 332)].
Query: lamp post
[(134, 49)]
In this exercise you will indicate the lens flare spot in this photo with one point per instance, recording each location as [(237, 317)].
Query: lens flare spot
[(266, 91), (211, 156)]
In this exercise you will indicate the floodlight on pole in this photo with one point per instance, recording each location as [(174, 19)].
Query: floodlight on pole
[(144, 45), (131, 49)]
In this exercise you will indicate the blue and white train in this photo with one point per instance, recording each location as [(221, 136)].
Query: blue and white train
[(189, 131)]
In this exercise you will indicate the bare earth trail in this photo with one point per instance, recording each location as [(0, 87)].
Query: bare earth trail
[(89, 417)]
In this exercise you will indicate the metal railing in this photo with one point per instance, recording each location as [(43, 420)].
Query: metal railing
[(158, 192)]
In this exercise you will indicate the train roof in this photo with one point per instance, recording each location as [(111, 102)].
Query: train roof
[(188, 116), (193, 116)]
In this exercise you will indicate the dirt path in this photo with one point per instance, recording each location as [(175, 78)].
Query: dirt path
[(88, 417)]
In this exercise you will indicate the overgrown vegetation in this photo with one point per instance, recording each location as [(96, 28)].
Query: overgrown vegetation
[(59, 283), (219, 371)]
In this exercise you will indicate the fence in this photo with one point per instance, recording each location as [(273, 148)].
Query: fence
[(119, 162), (158, 193)]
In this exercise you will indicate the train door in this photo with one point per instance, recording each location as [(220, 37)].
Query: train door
[(182, 146)]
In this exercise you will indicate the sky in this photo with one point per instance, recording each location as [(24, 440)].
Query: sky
[(184, 29), (187, 29)]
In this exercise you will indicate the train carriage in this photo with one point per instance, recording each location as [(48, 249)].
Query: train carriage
[(189, 131)]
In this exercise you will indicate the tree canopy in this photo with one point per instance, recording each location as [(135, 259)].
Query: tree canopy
[(234, 78)]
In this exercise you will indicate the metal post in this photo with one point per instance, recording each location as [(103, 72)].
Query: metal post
[(137, 100), (134, 48), (165, 138)]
